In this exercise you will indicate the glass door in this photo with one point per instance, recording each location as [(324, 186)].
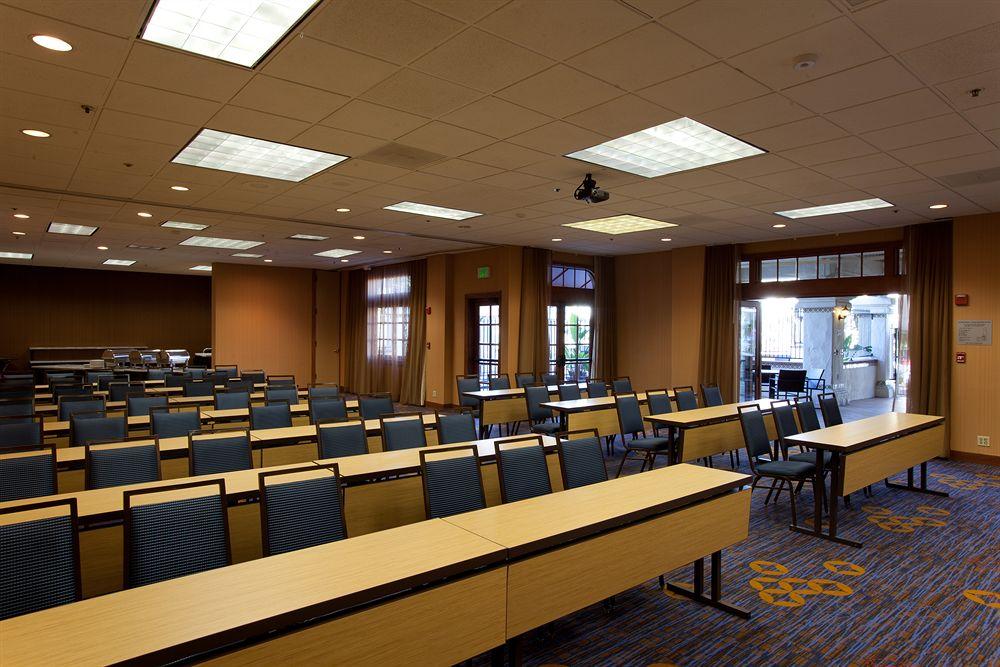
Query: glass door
[(484, 338), (569, 341), (751, 377)]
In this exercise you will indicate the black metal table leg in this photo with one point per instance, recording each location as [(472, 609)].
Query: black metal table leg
[(909, 486), (817, 529), (697, 591)]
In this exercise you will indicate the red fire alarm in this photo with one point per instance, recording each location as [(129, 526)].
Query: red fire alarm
[(428, 310), (960, 357), (961, 299)]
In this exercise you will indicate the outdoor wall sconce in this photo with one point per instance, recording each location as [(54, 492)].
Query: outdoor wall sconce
[(841, 312)]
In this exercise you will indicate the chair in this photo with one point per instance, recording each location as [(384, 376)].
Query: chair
[(254, 377), (61, 378), (197, 373), (68, 405), (458, 427), (403, 430), (18, 432), (630, 422), (281, 381), (452, 481), (569, 392), (40, 559), (830, 408), (229, 370), (276, 414), (173, 531), (61, 390), (199, 388), (815, 381), (711, 395), (659, 403), (790, 382), (104, 382), (324, 391), (685, 398), (522, 469), (522, 379), (785, 425), (300, 508), (550, 379), (538, 416), (28, 474), (499, 382), (758, 447), (465, 384), (218, 378), (157, 374), (597, 389), (622, 385), (120, 391), (325, 409), (282, 393), (215, 452), (121, 463), (89, 427), (581, 461), (176, 379), (94, 377), (17, 408), (373, 406), (239, 384), (341, 439), (231, 400), (808, 418), (141, 405), (166, 424)]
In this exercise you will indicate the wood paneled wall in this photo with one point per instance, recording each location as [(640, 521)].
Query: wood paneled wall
[(57, 307), (328, 326), (643, 315)]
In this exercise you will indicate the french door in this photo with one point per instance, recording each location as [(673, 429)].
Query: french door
[(483, 345), (749, 342), (569, 326)]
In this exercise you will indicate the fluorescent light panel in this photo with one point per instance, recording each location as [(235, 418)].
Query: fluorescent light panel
[(212, 149), (137, 246), (620, 224), (433, 211), (247, 254), (337, 252), (119, 262), (67, 228), (679, 145), (16, 255), (200, 267), (212, 242), (830, 209), (237, 31), (308, 237), (173, 224)]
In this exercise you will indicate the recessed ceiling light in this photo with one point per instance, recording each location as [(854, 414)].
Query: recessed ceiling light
[(931, 206), (386, 252), (144, 214), (830, 209), (67, 228), (102, 247), (119, 262), (557, 240), (778, 226), (308, 237), (666, 240), (336, 252), (237, 32), (212, 149), (620, 224), (268, 260), (679, 145), (16, 255), (433, 211), (21, 216), (51, 43), (201, 267), (173, 224), (343, 210), (345, 261), (247, 254), (213, 242), (39, 134), (179, 188), (359, 238), (19, 233)]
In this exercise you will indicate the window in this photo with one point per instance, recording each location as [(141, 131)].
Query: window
[(388, 315), (743, 272), (873, 263), (484, 338), (569, 322), (576, 277)]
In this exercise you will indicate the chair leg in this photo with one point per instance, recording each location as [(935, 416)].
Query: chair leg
[(622, 464), (781, 487), (791, 495)]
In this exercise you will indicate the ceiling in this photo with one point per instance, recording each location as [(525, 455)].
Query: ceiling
[(472, 105)]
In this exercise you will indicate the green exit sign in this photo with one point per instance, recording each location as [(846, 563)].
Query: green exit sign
[(483, 272)]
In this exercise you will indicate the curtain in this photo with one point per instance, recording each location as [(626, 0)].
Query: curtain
[(536, 294), (411, 389), (603, 332), (927, 253), (717, 361), (355, 343)]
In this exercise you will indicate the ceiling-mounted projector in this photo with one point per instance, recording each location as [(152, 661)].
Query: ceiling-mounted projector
[(589, 192)]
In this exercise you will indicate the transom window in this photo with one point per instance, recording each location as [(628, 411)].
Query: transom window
[(576, 277)]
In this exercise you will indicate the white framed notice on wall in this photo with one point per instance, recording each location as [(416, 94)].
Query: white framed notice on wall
[(975, 332)]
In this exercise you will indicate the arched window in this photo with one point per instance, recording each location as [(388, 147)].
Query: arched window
[(576, 277), (569, 322)]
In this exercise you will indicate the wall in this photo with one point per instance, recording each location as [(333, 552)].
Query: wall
[(687, 286), (643, 301), (328, 326), (56, 307), (975, 397), (262, 317)]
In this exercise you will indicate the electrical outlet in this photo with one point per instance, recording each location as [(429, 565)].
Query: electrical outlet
[(434, 393), (983, 440)]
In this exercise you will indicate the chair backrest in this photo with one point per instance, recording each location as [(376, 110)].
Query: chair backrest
[(452, 481), (232, 400), (254, 377), (17, 390), (324, 391), (808, 419), (300, 508), (156, 373), (105, 381), (17, 407), (597, 389), (40, 559), (141, 405), (403, 430), (281, 381), (239, 384), (173, 531), (457, 427), (68, 405), (622, 385), (89, 427), (275, 414), (199, 388), (18, 432), (93, 377), (282, 393), (166, 424), (522, 379), (522, 469), (534, 397), (176, 379), (754, 432), (218, 378), (549, 379), (197, 373), (499, 381), (341, 439), (831, 409), (686, 398), (120, 391), (711, 395), (658, 401), (324, 409), (581, 460), (466, 383), (569, 392), (60, 390), (373, 406), (28, 474), (629, 414), (216, 452), (229, 370), (121, 463), (783, 413), (791, 380)]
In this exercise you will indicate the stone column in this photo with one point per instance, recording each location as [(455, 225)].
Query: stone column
[(823, 337)]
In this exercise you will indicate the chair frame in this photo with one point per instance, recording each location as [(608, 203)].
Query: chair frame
[(534, 377), (500, 375), (702, 387), (536, 438), (133, 441), (424, 452), (74, 524), (611, 385), (76, 399), (104, 413), (565, 437), (395, 416), (324, 385), (262, 476), (267, 381), (686, 387), (648, 455), (224, 431), (166, 409), (829, 394)]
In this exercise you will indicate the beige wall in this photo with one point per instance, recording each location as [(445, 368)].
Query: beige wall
[(687, 295), (643, 304), (328, 326)]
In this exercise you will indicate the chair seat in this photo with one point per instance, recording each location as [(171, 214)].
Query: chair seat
[(546, 428), (810, 457), (654, 443), (786, 468)]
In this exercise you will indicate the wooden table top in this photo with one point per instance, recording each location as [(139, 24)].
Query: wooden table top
[(703, 416), (515, 392), (588, 404), (862, 433), (372, 427), (57, 428), (164, 621), (546, 521), (74, 457)]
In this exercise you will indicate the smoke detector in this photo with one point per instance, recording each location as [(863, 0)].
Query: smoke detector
[(805, 61)]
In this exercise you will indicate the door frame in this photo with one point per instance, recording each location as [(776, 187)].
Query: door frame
[(756, 370), (472, 303)]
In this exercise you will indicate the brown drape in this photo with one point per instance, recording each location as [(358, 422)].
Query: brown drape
[(927, 253), (355, 344), (603, 332), (411, 386), (717, 360), (536, 292)]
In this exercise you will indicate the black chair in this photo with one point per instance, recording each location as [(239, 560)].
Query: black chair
[(758, 448), (228, 370), (403, 430), (465, 384), (522, 469), (239, 384), (549, 379), (341, 439), (28, 474), (569, 392), (137, 406), (254, 377), (231, 400), (89, 427), (540, 419), (830, 408), (711, 395), (105, 381), (522, 379), (325, 409), (785, 425), (300, 508), (282, 393), (276, 414), (324, 391), (197, 373), (659, 403), (199, 388), (176, 379), (120, 391), (215, 452), (621, 385), (69, 405), (62, 390), (457, 427), (686, 398), (630, 423), (500, 381), (452, 482), (94, 377), (171, 531), (373, 406), (808, 419), (281, 381), (218, 378), (157, 374), (166, 424), (581, 461), (40, 559), (815, 382), (790, 382), (122, 463), (23, 408), (18, 433), (597, 388)]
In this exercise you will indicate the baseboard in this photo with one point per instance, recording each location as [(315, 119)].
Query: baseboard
[(438, 406), (972, 457)]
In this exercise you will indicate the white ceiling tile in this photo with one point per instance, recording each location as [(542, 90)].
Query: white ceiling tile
[(959, 91), (899, 26), (146, 101), (985, 117), (144, 127), (879, 178), (895, 110), (374, 120), (495, 117), (284, 98), (858, 165), (183, 73), (945, 149), (44, 110), (709, 88), (828, 151), (256, 124), (621, 116), (956, 57), (321, 65), (463, 10), (421, 94), (919, 132), (446, 139), (505, 156), (461, 169), (110, 16), (758, 113), (792, 135), (559, 91), (341, 142), (865, 83), (34, 76), (558, 138)]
